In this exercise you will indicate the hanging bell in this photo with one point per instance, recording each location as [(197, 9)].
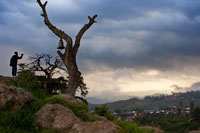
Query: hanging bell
[(60, 44)]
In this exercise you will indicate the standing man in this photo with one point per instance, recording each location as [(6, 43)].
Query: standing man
[(13, 63)]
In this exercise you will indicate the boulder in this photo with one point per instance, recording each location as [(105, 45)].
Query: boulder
[(14, 98), (56, 116), (68, 98), (95, 127)]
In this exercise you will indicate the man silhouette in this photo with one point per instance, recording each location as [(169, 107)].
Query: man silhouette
[(13, 63)]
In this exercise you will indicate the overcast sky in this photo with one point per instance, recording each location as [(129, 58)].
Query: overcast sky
[(136, 48)]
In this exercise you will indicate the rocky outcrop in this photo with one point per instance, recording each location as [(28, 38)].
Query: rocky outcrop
[(53, 117), (95, 127), (56, 116), (14, 98), (5, 80), (68, 98)]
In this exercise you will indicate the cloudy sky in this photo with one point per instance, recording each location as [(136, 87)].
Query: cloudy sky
[(136, 48)]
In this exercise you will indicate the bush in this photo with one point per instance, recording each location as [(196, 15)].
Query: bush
[(104, 111), (52, 84), (27, 79), (30, 82)]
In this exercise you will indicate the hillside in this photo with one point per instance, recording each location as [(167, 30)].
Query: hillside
[(27, 107), (94, 100), (180, 100)]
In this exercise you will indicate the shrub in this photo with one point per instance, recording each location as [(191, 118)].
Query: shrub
[(30, 82), (104, 111), (52, 84), (27, 79)]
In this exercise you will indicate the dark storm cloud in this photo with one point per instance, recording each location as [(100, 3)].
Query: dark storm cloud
[(141, 34), (172, 42), (164, 51)]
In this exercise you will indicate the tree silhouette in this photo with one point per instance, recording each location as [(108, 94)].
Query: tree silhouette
[(196, 114), (50, 65), (45, 63), (69, 56)]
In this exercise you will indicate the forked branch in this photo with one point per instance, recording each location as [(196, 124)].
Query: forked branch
[(81, 32), (54, 29), (65, 36)]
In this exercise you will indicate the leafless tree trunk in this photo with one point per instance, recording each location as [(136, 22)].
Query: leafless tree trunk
[(69, 56)]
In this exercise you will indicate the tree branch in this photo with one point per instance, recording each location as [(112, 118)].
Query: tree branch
[(61, 55), (54, 29), (81, 32)]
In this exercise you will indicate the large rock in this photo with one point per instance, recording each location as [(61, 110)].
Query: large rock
[(56, 116), (68, 98), (95, 127), (14, 98)]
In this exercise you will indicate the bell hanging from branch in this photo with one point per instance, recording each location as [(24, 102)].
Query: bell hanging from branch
[(60, 44)]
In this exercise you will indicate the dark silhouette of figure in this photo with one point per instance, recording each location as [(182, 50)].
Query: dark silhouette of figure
[(13, 63)]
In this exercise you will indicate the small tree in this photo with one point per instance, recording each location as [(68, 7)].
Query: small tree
[(196, 114), (104, 111), (49, 66), (45, 63), (27, 79), (69, 56), (82, 88)]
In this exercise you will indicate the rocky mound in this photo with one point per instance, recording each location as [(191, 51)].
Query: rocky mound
[(54, 117), (14, 98)]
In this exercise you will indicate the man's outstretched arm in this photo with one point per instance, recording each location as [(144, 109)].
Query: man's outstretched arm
[(21, 56)]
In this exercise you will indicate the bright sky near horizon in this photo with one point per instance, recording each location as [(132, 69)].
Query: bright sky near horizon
[(136, 48)]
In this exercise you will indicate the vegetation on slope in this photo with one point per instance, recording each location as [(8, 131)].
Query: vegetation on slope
[(126, 127), (180, 100), (22, 121)]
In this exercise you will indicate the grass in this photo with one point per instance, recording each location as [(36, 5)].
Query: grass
[(130, 127)]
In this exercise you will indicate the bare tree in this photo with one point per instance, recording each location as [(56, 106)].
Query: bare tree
[(45, 63), (69, 56), (50, 65)]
